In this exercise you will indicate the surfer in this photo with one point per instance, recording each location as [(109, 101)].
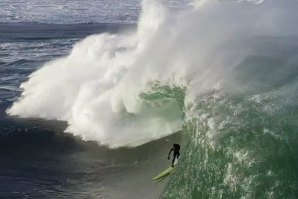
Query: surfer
[(176, 149)]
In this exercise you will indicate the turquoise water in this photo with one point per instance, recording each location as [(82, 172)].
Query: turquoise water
[(240, 144), (235, 149)]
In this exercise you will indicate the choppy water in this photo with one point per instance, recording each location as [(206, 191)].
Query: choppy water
[(75, 11)]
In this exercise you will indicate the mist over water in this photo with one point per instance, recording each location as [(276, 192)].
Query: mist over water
[(97, 87)]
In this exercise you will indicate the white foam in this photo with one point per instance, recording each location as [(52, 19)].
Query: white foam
[(96, 87)]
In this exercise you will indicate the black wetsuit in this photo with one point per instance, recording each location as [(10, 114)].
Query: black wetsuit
[(176, 149)]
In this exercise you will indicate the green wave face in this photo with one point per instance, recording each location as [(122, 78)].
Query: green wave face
[(166, 100), (160, 94), (239, 140), (236, 147)]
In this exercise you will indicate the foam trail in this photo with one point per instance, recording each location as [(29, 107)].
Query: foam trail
[(96, 88)]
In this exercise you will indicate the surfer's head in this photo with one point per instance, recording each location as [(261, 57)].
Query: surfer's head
[(176, 146)]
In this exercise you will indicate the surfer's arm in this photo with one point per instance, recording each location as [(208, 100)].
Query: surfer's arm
[(170, 153)]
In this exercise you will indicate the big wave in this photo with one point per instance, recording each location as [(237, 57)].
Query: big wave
[(99, 87), (223, 72)]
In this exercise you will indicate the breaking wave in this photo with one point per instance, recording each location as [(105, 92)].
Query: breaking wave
[(225, 73)]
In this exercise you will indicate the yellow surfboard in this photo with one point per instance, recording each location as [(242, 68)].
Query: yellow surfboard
[(164, 173)]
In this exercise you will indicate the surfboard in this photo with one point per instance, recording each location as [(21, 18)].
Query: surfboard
[(164, 173)]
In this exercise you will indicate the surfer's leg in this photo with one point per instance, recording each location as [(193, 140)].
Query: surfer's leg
[(173, 162)]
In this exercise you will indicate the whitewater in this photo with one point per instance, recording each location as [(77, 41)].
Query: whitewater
[(222, 72)]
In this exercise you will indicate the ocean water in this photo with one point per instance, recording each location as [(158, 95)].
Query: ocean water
[(94, 93)]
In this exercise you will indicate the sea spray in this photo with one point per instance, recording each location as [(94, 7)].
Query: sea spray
[(97, 88)]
